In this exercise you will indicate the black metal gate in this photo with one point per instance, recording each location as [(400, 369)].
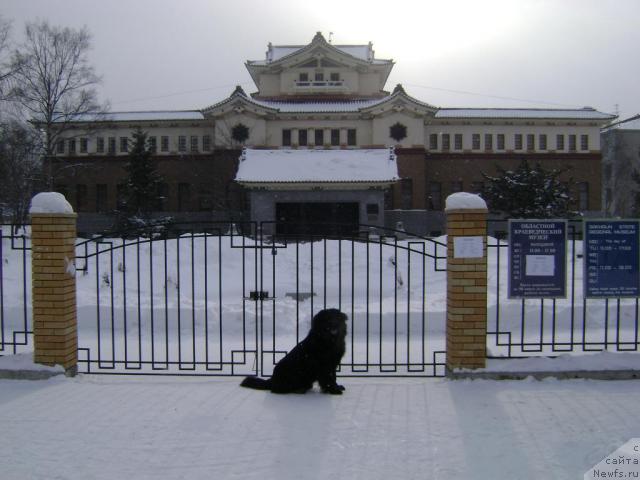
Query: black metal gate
[(232, 299)]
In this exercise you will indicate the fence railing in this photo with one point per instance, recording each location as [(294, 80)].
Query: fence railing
[(575, 324), (16, 328), (232, 300)]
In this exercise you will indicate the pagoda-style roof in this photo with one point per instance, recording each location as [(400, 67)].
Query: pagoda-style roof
[(279, 57)]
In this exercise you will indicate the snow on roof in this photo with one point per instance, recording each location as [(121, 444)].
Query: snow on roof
[(573, 114), (632, 123), (166, 115), (50, 202), (319, 106), (321, 166), (276, 52)]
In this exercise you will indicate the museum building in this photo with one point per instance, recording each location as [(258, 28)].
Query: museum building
[(322, 141)]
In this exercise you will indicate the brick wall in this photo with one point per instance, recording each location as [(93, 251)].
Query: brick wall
[(54, 289)]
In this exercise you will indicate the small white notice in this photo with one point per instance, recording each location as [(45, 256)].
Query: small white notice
[(467, 247), (540, 266)]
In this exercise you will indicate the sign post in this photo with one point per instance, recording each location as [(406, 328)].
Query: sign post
[(537, 258), (611, 258)]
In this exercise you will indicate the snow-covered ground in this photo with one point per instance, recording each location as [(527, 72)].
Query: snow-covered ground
[(105, 427)]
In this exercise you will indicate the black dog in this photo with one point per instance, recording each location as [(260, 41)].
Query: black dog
[(314, 359)]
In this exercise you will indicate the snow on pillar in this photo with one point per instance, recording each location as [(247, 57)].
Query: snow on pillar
[(53, 236), (466, 281)]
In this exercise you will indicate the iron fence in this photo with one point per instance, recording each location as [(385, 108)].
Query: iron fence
[(575, 324), (16, 328), (232, 300)]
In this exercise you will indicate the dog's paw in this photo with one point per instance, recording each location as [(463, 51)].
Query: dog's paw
[(334, 390)]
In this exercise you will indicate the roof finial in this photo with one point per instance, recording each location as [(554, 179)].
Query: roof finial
[(239, 91), (399, 89), (330, 36), (318, 36)]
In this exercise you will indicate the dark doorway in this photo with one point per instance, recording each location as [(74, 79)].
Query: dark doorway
[(317, 219)]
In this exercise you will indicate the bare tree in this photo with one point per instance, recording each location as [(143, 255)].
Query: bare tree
[(19, 166), (6, 68), (54, 82)]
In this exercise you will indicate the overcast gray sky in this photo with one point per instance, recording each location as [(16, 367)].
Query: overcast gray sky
[(186, 54)]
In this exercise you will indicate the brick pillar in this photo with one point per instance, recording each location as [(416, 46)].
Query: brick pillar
[(55, 332), (466, 288)]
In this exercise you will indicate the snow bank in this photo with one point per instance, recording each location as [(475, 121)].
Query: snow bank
[(602, 361), (461, 200), (50, 202), (24, 361)]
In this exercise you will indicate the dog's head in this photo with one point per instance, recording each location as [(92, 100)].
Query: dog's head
[(330, 324)]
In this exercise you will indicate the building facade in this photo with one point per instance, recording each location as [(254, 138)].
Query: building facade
[(322, 96), (620, 165)]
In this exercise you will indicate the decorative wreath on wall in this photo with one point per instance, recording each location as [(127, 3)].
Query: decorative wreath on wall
[(398, 131), (240, 133)]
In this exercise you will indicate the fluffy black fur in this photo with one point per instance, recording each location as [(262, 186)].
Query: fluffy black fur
[(314, 359)]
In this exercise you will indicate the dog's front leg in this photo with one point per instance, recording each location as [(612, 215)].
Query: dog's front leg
[(328, 384)]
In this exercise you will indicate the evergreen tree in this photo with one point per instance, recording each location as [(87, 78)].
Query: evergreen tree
[(141, 192), (528, 192)]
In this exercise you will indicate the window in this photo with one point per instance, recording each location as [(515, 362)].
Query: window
[(286, 137), (351, 137), (153, 144), (84, 145), (121, 201), (124, 144), (406, 193), (433, 141), (518, 141), (335, 77), (194, 143), (81, 197), (184, 197), (584, 142), (319, 77), (572, 143), (456, 186), (302, 138), (303, 77), (60, 146), (72, 146), (335, 137), (182, 143), (531, 141), (477, 188), (457, 141), (162, 196), (373, 210), (101, 197), (488, 141), (100, 144), (434, 201), (318, 137), (475, 141), (500, 141), (446, 142), (583, 196), (164, 143), (542, 141), (559, 142), (205, 197), (112, 145), (206, 142)]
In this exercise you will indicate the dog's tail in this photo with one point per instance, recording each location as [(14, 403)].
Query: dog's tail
[(256, 383)]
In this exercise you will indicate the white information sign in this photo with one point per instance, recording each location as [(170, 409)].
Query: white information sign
[(540, 266), (467, 247)]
